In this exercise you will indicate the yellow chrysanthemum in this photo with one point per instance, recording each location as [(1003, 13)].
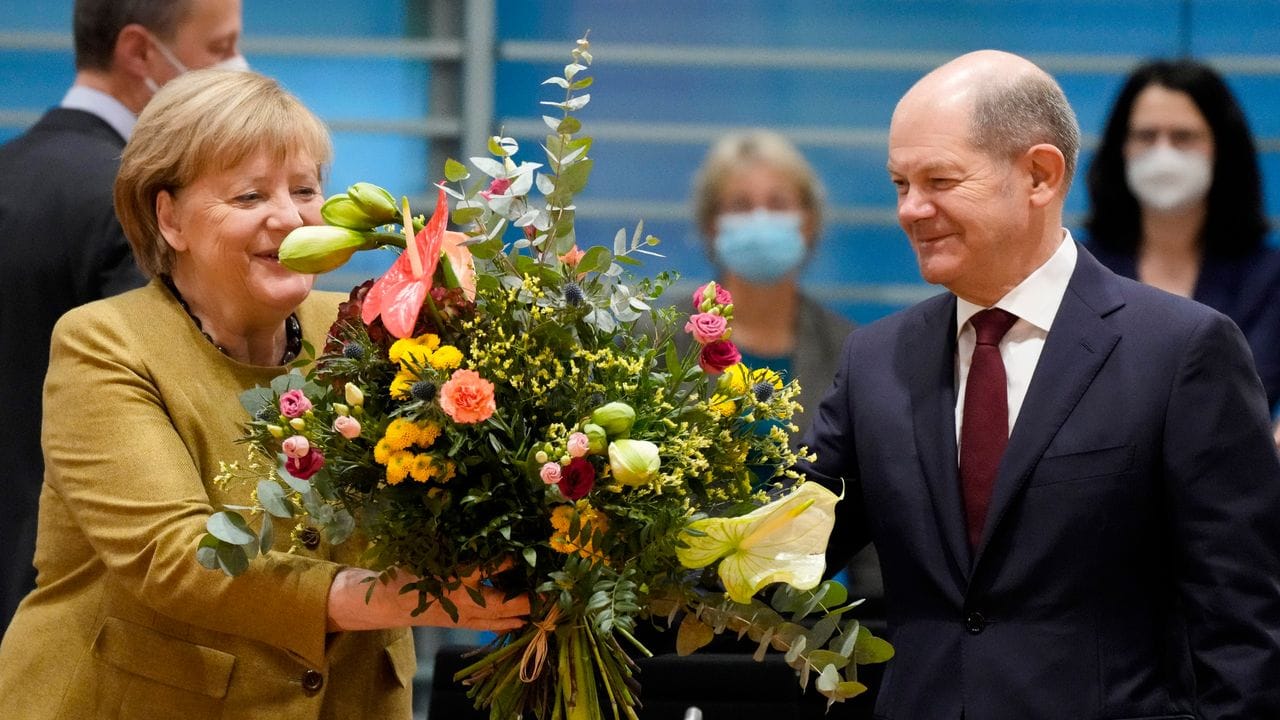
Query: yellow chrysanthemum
[(398, 467), (447, 357), (421, 346), (766, 375), (427, 434), (450, 469), (422, 467), (736, 379), (590, 521), (382, 451), (402, 385), (400, 434), (722, 405)]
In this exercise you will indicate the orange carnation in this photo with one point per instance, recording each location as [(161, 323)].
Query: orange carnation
[(467, 397)]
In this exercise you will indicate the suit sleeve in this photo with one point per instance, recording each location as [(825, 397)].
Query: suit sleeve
[(831, 441), (130, 485), (1224, 485)]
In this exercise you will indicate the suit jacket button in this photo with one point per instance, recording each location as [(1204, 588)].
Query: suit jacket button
[(310, 538), (975, 623), (312, 681)]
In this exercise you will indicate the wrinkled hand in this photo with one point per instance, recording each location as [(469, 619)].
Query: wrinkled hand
[(389, 608)]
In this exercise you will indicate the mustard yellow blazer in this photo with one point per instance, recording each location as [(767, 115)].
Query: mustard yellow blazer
[(140, 409)]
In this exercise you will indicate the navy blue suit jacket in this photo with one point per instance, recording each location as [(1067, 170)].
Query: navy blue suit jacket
[(1130, 567)]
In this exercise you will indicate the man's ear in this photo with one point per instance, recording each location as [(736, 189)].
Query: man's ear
[(132, 51), (168, 221), (1047, 168)]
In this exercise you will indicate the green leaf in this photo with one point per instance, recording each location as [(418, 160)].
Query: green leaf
[(272, 498), (595, 259), (266, 535), (230, 527), (291, 380), (297, 483), (569, 126), (455, 171), (582, 84), (827, 659), (340, 527), (232, 559), (693, 634), (870, 649), (530, 556), (207, 552), (256, 398), (466, 215), (570, 180)]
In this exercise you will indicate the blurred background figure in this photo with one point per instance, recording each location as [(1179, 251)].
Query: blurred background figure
[(62, 243), (759, 208), (1177, 201)]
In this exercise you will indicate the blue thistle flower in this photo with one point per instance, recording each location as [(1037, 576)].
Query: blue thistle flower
[(423, 390), (573, 293), (763, 391), (353, 351)]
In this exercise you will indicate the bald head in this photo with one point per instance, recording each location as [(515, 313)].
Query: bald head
[(1011, 104)]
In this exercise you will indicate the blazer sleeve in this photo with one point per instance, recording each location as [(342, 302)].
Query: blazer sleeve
[(830, 441), (116, 462), (1224, 485)]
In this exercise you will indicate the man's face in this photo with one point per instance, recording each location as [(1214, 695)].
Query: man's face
[(209, 34), (962, 210)]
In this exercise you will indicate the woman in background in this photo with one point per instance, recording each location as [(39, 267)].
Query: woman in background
[(1177, 201)]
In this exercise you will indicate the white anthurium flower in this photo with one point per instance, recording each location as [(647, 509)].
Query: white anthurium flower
[(783, 541)]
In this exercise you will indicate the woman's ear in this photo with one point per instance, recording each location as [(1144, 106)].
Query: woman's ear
[(1048, 170), (167, 218)]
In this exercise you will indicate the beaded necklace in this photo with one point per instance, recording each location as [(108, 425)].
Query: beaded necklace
[(292, 328)]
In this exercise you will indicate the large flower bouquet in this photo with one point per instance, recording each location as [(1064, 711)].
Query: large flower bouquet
[(518, 407)]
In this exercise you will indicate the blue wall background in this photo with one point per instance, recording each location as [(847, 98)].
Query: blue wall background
[(864, 267)]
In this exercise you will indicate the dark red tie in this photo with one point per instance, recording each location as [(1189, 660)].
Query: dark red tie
[(984, 428)]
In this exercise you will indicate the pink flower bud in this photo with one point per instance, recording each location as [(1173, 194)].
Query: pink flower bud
[(550, 473), (296, 446), (347, 426), (579, 445)]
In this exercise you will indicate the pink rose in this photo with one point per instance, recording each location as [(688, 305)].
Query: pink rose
[(296, 446), (719, 355), (306, 466), (577, 478), (294, 404), (722, 296), (706, 327), (550, 473), (579, 445), (347, 426), (467, 397)]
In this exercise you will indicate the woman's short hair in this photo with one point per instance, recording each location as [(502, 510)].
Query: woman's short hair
[(200, 122), (738, 150), (1235, 222)]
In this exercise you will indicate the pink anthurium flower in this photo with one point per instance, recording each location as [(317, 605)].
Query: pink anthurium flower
[(460, 259), (398, 295)]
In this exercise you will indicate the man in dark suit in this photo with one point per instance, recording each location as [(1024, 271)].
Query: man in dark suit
[(60, 243), (1069, 476)]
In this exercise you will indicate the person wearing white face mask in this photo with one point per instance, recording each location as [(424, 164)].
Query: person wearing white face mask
[(63, 245), (1177, 202)]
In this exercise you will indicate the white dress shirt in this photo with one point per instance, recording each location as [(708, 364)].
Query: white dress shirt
[(1035, 302), (111, 110)]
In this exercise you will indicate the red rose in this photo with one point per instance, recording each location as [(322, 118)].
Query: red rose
[(305, 466), (577, 478), (719, 355)]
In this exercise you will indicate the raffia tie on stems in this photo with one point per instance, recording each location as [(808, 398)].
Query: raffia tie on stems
[(535, 653)]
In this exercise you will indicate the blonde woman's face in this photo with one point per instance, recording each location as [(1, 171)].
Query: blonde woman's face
[(226, 228), (760, 186)]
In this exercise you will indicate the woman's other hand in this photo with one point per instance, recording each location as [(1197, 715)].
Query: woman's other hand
[(387, 607)]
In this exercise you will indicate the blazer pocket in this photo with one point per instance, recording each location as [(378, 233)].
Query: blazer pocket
[(403, 659), (142, 651), (1084, 465)]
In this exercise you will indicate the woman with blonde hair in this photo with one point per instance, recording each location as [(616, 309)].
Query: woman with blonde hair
[(141, 405)]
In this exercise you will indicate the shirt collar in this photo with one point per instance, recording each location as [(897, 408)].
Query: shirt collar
[(112, 111), (1037, 297)]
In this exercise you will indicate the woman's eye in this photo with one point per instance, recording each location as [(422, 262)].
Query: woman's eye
[(305, 192), (249, 197)]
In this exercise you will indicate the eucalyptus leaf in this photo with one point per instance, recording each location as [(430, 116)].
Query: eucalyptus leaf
[(489, 166), (455, 171), (255, 399), (545, 184), (530, 556), (291, 380), (272, 498), (620, 243), (207, 552), (297, 483), (266, 535), (340, 527), (568, 126), (552, 122), (557, 81), (230, 527), (577, 103), (582, 84), (232, 559)]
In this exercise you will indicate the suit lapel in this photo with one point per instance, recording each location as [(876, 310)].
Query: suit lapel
[(1075, 349), (932, 345)]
